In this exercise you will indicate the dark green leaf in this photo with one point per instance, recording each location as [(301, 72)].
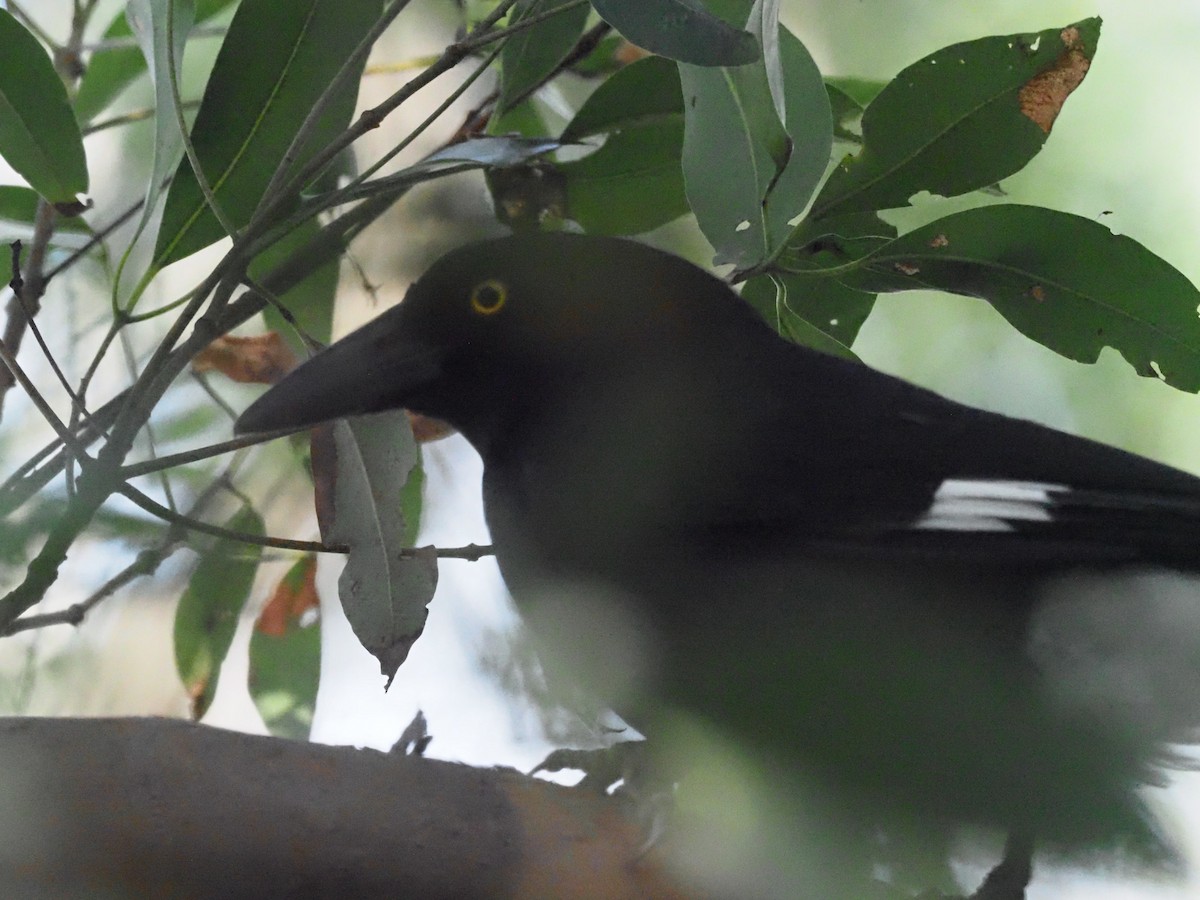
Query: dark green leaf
[(772, 296), (529, 56), (632, 184), (961, 119), (1065, 281), (383, 594), (860, 91), (285, 654), (679, 29), (273, 65), (39, 136), (748, 174), (642, 93), (208, 611)]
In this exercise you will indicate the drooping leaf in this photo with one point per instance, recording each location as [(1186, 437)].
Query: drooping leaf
[(274, 64), (39, 136), (529, 56), (679, 29), (208, 612), (749, 174), (384, 594), (285, 653), (1065, 281), (961, 119)]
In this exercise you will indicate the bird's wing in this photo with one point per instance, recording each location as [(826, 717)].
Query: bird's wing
[(894, 468)]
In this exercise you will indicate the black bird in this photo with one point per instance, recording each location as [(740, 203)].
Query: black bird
[(947, 615)]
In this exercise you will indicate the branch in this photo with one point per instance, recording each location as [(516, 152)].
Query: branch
[(158, 807)]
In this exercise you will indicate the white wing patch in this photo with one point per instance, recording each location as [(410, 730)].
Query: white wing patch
[(980, 504)]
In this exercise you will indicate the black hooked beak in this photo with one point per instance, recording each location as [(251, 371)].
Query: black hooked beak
[(376, 368)]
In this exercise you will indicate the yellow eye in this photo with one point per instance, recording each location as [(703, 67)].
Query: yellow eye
[(488, 297)]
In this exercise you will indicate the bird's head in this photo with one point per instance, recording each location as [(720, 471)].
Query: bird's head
[(506, 322)]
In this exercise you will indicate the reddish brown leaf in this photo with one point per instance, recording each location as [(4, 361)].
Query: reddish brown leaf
[(294, 595), (1043, 96), (262, 359)]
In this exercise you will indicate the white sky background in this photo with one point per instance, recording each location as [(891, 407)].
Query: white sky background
[(1126, 142)]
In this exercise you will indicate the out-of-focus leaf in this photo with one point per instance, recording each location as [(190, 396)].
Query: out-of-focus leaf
[(1065, 281), (383, 594), (749, 175), (859, 90), (273, 66), (111, 70), (161, 28), (412, 501), (19, 204), (310, 303), (285, 653), (208, 611), (529, 56), (257, 359), (679, 29), (39, 136), (961, 119)]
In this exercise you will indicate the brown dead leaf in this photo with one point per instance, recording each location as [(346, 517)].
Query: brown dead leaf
[(262, 359), (1043, 96), (295, 594)]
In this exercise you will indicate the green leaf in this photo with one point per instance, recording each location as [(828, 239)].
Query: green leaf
[(529, 56), (679, 29), (961, 119), (273, 65), (860, 91), (773, 296), (19, 204), (162, 28), (208, 611), (645, 92), (311, 301), (634, 182), (39, 136), (631, 185), (1065, 281), (285, 654), (749, 174), (110, 71), (385, 596), (412, 501)]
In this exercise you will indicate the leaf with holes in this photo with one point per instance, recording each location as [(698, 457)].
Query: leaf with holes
[(961, 119), (1065, 281)]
